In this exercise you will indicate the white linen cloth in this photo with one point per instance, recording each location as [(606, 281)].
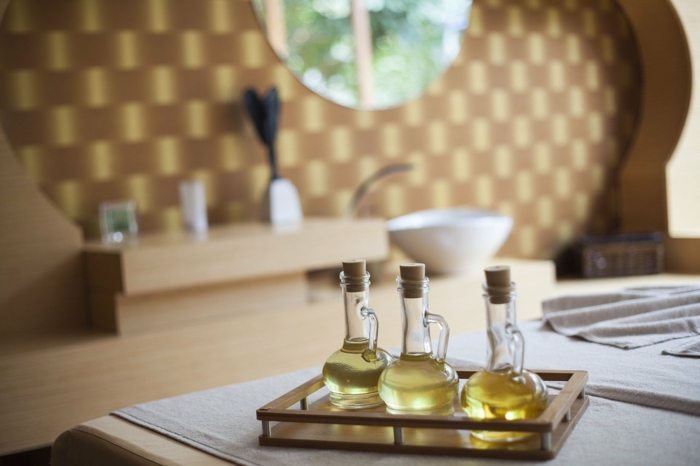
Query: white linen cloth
[(631, 318), (222, 421)]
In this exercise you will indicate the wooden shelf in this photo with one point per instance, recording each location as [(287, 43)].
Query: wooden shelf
[(161, 262), (169, 279)]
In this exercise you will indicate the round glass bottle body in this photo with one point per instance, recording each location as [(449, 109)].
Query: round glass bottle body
[(419, 382), (503, 390), (352, 373)]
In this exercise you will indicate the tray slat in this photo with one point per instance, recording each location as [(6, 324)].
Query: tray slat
[(324, 426)]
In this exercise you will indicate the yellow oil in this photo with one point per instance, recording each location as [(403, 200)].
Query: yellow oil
[(418, 385), (351, 376), (503, 395)]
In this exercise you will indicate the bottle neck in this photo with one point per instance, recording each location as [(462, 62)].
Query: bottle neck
[(500, 314), (354, 323), (416, 334), (355, 298)]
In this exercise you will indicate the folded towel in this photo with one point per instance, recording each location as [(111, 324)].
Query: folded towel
[(689, 348), (630, 318)]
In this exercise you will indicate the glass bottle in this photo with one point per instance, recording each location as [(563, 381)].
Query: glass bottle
[(352, 372), (503, 390), (419, 382)]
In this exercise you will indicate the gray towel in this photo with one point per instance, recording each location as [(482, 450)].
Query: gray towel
[(689, 348), (631, 318)]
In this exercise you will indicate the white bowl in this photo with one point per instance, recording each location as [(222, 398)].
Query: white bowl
[(456, 240)]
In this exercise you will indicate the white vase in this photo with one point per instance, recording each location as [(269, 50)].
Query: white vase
[(280, 203)]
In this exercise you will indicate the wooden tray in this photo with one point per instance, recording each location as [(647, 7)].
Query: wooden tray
[(322, 425)]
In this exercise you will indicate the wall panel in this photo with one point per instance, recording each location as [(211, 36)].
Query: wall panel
[(106, 100)]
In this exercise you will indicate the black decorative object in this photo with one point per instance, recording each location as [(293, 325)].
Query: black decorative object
[(264, 112), (280, 205)]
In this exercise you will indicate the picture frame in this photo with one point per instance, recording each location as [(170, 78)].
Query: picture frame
[(118, 221)]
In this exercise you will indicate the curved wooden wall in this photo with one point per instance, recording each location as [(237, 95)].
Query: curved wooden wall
[(41, 281), (659, 186), (666, 77)]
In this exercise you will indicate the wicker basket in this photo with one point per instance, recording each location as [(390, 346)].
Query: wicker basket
[(620, 255)]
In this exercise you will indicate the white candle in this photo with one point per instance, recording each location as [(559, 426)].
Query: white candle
[(193, 199)]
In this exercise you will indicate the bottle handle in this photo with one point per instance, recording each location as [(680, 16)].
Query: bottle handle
[(517, 347), (441, 352), (368, 313)]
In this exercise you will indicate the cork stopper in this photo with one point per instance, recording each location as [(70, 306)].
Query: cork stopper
[(355, 276), (355, 268), (412, 272), (497, 276), (412, 280), (498, 284)]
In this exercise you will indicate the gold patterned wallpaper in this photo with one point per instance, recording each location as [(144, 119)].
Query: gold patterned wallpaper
[(106, 100)]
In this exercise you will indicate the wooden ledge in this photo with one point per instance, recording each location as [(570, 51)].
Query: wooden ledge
[(161, 262), (171, 279)]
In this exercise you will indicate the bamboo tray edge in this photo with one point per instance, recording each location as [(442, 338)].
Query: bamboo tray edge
[(365, 430)]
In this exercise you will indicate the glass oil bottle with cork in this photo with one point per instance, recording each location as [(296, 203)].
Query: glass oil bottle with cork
[(351, 373), (503, 390), (419, 382)]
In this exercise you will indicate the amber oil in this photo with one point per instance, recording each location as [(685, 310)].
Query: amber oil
[(419, 382), (503, 390), (351, 374), (419, 385), (490, 395)]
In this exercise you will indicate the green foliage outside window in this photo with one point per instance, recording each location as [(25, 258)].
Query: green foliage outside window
[(413, 42)]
